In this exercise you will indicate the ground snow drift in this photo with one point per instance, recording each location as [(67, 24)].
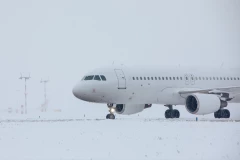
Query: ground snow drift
[(119, 139)]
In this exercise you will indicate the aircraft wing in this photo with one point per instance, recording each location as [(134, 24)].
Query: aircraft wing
[(232, 90)]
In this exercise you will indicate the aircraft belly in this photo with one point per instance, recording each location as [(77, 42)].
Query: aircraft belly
[(134, 97), (170, 96)]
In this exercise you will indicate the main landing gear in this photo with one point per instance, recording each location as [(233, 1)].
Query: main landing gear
[(171, 113), (222, 113), (111, 110)]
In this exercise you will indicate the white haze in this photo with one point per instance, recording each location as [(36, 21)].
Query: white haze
[(63, 40)]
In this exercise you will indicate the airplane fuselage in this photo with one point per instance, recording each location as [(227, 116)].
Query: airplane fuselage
[(152, 85)]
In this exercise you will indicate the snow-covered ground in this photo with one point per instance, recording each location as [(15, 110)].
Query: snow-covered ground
[(136, 138)]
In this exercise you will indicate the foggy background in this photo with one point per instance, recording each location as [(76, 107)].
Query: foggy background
[(63, 40)]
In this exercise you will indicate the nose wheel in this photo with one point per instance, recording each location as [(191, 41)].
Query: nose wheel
[(110, 116), (111, 110)]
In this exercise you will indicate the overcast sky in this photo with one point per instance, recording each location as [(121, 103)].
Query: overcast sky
[(63, 40)]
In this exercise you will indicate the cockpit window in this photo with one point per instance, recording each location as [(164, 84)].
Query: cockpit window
[(103, 78), (87, 78), (97, 77)]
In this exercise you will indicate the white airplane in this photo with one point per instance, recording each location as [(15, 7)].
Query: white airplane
[(128, 90)]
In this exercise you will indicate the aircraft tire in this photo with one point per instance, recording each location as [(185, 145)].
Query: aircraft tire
[(176, 113), (168, 114), (226, 113), (110, 116)]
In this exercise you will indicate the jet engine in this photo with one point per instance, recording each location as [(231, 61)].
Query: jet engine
[(127, 109), (201, 104)]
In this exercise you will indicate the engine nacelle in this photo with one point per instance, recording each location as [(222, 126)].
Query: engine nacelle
[(127, 109), (201, 104)]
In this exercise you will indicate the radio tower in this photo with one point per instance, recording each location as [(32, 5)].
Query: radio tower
[(44, 106), (25, 78)]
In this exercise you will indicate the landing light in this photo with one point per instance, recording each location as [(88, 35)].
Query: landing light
[(112, 110)]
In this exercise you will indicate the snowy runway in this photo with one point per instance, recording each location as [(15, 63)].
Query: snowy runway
[(75, 139)]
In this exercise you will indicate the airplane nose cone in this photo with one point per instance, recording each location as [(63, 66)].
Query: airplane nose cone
[(84, 92), (80, 91), (76, 91)]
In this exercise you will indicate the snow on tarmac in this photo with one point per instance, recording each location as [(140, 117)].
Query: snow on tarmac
[(119, 139)]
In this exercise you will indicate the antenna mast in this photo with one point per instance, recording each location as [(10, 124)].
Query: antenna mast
[(44, 106), (25, 80)]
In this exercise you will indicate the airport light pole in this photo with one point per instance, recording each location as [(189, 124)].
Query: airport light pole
[(25, 79), (45, 93)]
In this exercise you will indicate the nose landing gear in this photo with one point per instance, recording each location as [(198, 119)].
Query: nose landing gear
[(110, 116), (111, 110), (171, 113), (110, 105)]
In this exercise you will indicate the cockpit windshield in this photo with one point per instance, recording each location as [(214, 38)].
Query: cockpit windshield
[(94, 77), (103, 78), (97, 78), (87, 78)]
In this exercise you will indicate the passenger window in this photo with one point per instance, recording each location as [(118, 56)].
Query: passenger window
[(227, 78), (210, 78), (87, 78), (144, 78), (159, 78), (177, 78), (196, 78), (238, 78), (213, 78), (152, 78), (180, 78), (231, 78), (166, 78), (173, 78), (137, 78), (133, 78), (224, 78), (170, 78), (155, 78), (140, 78), (162, 78), (97, 77), (186, 78), (148, 78), (199, 78), (103, 77), (234, 78), (206, 78)]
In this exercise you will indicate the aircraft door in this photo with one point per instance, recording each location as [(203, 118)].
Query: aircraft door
[(121, 79)]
